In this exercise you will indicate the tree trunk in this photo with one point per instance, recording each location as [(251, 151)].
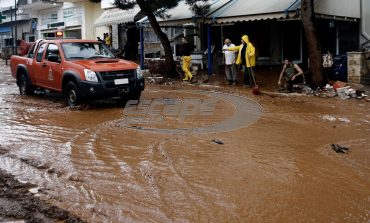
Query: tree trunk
[(169, 62), (313, 45)]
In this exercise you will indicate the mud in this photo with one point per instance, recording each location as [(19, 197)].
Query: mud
[(18, 203), (280, 168)]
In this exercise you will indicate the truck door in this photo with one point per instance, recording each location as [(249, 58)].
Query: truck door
[(29, 64), (39, 66), (53, 67)]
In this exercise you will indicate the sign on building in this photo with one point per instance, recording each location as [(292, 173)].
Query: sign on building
[(105, 4), (2, 17)]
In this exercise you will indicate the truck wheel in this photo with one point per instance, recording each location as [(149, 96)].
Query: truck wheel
[(72, 95), (25, 88)]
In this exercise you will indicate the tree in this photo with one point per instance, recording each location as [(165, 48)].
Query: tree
[(153, 8), (314, 48)]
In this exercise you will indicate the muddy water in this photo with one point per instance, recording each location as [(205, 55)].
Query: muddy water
[(278, 169)]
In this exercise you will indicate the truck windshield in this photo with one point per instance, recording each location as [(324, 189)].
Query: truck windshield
[(83, 51)]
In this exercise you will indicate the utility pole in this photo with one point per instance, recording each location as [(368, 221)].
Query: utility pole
[(11, 22), (15, 23)]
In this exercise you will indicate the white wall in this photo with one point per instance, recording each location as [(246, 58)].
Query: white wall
[(46, 12), (343, 8), (105, 4), (100, 30), (365, 21), (91, 12), (6, 4)]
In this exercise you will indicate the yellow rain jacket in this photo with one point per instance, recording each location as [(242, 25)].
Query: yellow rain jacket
[(249, 53)]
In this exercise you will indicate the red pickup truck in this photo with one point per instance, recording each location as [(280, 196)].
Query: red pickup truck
[(80, 69)]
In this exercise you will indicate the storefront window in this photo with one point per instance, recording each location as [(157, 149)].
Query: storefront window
[(73, 34)]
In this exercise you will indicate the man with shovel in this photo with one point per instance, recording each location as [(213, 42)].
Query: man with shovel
[(246, 59)]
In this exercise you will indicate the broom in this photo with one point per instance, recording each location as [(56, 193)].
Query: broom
[(255, 89)]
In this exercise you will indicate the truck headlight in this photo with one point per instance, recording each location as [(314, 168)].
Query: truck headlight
[(139, 72), (90, 75)]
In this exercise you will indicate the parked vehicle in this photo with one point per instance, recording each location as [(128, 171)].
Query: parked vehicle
[(81, 69)]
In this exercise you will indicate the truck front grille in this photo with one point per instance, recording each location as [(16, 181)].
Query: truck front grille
[(111, 75)]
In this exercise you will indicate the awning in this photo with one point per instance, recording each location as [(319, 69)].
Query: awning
[(182, 14), (5, 29), (117, 16), (241, 10)]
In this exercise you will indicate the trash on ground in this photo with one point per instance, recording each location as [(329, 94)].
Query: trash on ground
[(329, 118), (343, 92), (333, 118), (346, 120), (154, 79), (218, 141), (34, 190), (329, 91), (307, 90), (339, 84), (338, 88), (339, 149)]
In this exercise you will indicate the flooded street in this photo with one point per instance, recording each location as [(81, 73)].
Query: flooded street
[(272, 160)]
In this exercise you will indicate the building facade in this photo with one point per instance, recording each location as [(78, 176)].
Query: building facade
[(275, 27), (40, 19), (16, 24), (73, 18)]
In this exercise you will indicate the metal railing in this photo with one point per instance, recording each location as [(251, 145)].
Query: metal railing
[(28, 2), (22, 2)]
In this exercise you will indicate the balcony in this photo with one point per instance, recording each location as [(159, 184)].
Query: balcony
[(70, 1), (19, 18), (53, 25), (74, 21), (37, 5)]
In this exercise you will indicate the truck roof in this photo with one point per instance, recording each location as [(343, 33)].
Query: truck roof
[(71, 41), (39, 41)]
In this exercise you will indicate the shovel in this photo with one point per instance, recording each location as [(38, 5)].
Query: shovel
[(255, 89)]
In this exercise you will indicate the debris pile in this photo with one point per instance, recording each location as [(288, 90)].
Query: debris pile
[(154, 71), (338, 88)]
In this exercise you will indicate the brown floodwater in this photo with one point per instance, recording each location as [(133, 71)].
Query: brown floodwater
[(275, 165)]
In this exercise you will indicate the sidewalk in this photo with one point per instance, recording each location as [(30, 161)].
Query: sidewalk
[(266, 78), (3, 62)]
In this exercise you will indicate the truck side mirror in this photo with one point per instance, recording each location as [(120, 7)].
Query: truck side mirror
[(53, 58)]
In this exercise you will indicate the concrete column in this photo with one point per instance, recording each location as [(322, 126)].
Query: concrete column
[(91, 11), (142, 47), (209, 45), (358, 67), (115, 36)]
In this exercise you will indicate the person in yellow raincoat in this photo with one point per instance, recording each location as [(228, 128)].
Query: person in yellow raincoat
[(246, 58), (185, 50), (108, 40)]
